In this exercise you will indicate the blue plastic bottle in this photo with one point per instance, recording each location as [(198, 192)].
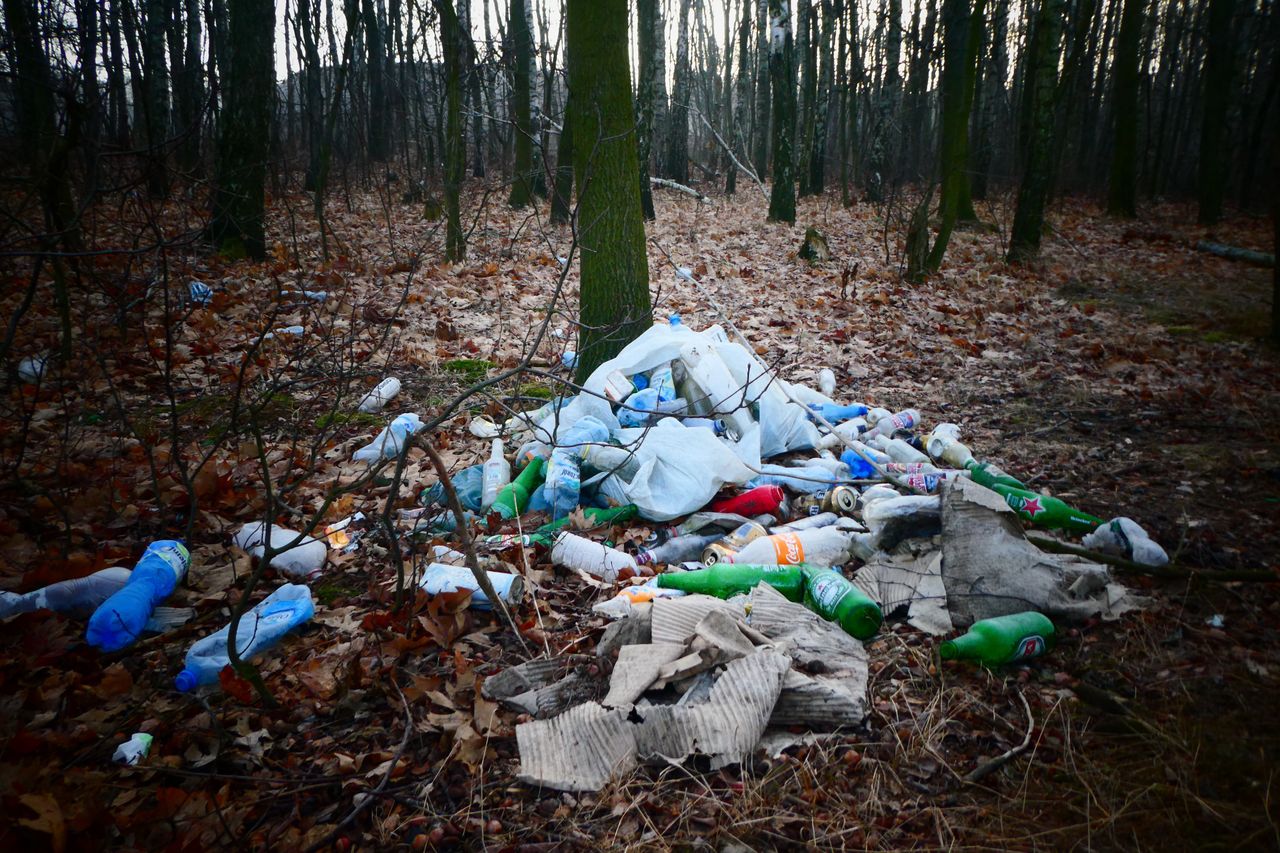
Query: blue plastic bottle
[(260, 628), (119, 620), (564, 472), (859, 468), (808, 481), (837, 414)]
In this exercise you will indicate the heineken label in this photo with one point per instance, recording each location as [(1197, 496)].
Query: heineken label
[(1029, 647), (827, 591), (1029, 507), (787, 548)]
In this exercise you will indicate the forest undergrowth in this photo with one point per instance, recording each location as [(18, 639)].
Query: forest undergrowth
[(1124, 373)]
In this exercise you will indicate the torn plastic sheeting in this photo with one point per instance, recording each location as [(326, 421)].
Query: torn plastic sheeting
[(581, 749), (990, 569)]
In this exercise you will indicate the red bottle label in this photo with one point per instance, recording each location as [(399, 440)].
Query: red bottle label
[(1030, 647)]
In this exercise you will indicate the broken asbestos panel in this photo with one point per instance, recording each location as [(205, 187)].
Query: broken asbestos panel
[(913, 588), (990, 569), (675, 620), (636, 669), (583, 747)]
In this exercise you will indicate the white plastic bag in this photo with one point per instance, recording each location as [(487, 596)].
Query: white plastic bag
[(304, 560)]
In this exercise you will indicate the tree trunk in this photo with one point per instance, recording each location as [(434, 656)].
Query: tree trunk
[(1217, 99), (562, 192), (761, 129), (956, 22), (886, 154), (1122, 199), (614, 302), (522, 183), (375, 53), (818, 154), (244, 134), (649, 22), (677, 153), (964, 195), (1028, 219), (157, 98), (806, 17), (742, 93), (455, 135), (782, 78)]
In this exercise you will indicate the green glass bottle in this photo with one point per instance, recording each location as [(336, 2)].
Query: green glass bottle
[(989, 475), (728, 579), (830, 594), (514, 497), (1047, 512), (598, 516), (1002, 639)]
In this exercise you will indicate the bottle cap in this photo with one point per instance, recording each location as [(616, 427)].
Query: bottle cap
[(186, 681)]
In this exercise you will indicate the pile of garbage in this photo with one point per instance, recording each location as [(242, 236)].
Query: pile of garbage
[(736, 617), (739, 596)]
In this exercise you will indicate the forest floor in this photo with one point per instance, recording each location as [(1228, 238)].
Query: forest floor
[(1124, 373)]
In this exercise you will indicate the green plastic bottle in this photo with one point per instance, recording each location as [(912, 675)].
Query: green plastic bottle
[(514, 497), (1047, 512), (728, 579), (1003, 639), (830, 594), (989, 475)]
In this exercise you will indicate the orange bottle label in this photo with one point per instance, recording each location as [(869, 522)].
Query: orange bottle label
[(787, 548)]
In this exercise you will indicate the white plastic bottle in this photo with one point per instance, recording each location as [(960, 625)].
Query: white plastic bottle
[(440, 578), (850, 429), (259, 629), (497, 473), (827, 381), (726, 395), (821, 546), (380, 395), (897, 449), (906, 419), (576, 552)]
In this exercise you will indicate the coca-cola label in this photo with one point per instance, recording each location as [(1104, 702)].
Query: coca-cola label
[(1029, 647), (828, 590), (787, 548)]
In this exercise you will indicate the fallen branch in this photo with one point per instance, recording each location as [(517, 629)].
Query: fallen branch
[(468, 545), (1249, 256), (1172, 570), (749, 172), (672, 185), (992, 764)]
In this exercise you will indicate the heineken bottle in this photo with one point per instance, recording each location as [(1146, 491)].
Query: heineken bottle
[(1045, 511), (1003, 639), (514, 496), (833, 597), (987, 474), (724, 580)]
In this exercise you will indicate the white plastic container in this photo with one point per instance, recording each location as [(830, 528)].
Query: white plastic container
[(575, 552), (827, 381), (898, 450), (706, 369), (381, 394), (304, 560), (440, 578)]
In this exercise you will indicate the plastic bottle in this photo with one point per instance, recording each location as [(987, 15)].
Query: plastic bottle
[(513, 499), (897, 449), (716, 425), (662, 380), (646, 406), (380, 395), (1124, 537), (390, 441), (576, 552), (199, 292), (259, 629), (944, 444), (302, 561), (807, 481), (906, 419), (119, 620), (620, 461), (135, 748), (596, 516), (1047, 512), (441, 578), (753, 502), (808, 522), (497, 474), (828, 463), (726, 396), (876, 414), (826, 381), (31, 369), (75, 597), (1002, 639), (835, 414), (677, 549), (564, 473), (825, 546), (833, 597), (725, 580), (859, 468), (467, 484)]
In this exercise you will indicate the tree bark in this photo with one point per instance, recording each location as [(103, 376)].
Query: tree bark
[(677, 153), (782, 199), (522, 186), (761, 128), (244, 134), (1122, 199), (956, 20), (1028, 219), (649, 45), (614, 303), (1217, 99), (455, 135)]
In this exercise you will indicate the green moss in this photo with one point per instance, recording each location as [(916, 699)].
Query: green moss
[(233, 249), (533, 389), (1217, 337), (328, 592), (337, 419), (471, 370)]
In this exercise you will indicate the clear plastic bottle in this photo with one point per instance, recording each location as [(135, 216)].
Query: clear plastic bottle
[(577, 552), (906, 419), (497, 473), (897, 449), (823, 546), (259, 629), (75, 597), (564, 473)]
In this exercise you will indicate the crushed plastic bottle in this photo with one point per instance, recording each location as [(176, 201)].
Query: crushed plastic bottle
[(259, 629), (1124, 537), (440, 578), (576, 552), (563, 483), (381, 394), (304, 560), (467, 483), (119, 620), (389, 442), (136, 748)]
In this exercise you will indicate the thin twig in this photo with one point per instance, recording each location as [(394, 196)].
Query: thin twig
[(992, 764)]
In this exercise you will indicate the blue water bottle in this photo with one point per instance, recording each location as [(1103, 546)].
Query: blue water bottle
[(119, 620), (837, 414)]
